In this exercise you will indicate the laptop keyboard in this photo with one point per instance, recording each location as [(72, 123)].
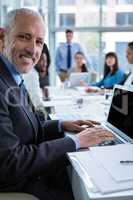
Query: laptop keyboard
[(112, 142)]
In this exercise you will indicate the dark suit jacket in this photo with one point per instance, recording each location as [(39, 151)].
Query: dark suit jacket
[(26, 148)]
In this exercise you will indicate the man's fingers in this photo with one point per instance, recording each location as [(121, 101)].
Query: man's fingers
[(94, 122), (89, 123)]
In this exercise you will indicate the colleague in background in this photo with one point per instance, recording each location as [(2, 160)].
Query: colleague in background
[(32, 154), (80, 65), (64, 59), (112, 74), (129, 53), (46, 51), (31, 80), (42, 67), (1, 36)]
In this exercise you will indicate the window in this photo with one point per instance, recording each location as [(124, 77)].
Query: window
[(103, 2), (29, 2), (121, 52), (67, 2), (124, 2), (130, 19), (67, 19), (121, 19), (124, 19)]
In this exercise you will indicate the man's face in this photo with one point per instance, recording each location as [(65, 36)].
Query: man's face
[(69, 37), (24, 43), (130, 55)]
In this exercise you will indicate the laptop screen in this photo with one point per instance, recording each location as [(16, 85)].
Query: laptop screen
[(121, 111), (75, 78)]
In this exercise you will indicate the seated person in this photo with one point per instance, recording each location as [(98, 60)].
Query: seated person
[(42, 67), (80, 65), (1, 36), (112, 74), (129, 53)]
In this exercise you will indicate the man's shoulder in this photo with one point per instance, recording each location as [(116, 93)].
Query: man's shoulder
[(62, 44), (76, 44), (61, 47)]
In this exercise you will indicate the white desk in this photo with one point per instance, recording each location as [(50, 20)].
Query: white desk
[(83, 189), (64, 104), (66, 107)]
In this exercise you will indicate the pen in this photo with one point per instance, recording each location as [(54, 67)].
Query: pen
[(126, 162)]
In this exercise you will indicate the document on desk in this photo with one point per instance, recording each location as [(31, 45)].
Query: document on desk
[(101, 177), (113, 160)]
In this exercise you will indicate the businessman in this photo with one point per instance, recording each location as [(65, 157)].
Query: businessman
[(64, 59), (32, 154)]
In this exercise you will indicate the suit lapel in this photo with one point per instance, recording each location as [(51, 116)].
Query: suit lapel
[(17, 93)]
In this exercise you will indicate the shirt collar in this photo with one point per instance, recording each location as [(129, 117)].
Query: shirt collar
[(68, 44), (15, 75)]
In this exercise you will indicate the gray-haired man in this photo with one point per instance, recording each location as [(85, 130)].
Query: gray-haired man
[(31, 153)]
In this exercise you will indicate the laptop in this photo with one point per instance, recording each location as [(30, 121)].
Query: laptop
[(75, 78), (120, 115)]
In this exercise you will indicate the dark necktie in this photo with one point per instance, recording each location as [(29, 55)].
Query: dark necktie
[(27, 99), (69, 58)]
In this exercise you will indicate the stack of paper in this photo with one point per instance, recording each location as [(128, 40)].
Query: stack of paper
[(103, 165), (110, 158)]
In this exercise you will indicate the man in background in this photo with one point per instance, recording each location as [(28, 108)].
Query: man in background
[(129, 53), (65, 53)]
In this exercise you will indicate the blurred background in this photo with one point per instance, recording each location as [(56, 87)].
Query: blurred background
[(99, 26)]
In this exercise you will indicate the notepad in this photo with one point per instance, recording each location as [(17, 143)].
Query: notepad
[(110, 158), (100, 175)]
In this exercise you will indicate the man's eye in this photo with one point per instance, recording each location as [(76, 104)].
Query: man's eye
[(21, 36), (40, 42), (24, 37)]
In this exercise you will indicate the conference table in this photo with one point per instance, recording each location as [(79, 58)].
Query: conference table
[(72, 104), (75, 103)]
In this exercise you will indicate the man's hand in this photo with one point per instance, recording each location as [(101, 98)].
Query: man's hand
[(78, 125), (93, 136)]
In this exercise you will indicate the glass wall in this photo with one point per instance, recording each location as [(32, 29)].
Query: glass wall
[(100, 26), (77, 13)]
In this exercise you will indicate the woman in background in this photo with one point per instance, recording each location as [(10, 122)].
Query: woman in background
[(43, 66), (112, 74), (80, 65), (1, 37)]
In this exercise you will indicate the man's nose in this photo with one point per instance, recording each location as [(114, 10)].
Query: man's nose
[(31, 47)]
